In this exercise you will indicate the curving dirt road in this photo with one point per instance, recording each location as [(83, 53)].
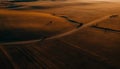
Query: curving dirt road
[(77, 29), (63, 34)]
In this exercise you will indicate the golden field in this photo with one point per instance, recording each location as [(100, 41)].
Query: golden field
[(60, 35)]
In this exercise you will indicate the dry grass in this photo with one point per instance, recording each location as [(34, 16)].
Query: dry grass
[(30, 24), (88, 48)]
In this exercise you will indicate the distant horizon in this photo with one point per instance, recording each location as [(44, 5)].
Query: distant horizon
[(67, 0), (100, 0)]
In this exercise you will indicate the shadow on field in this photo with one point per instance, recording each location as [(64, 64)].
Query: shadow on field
[(21, 35)]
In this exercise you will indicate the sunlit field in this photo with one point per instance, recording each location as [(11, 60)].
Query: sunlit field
[(59, 34)]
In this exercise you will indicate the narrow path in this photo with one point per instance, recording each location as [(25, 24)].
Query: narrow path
[(63, 34), (80, 28), (21, 42), (9, 57)]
